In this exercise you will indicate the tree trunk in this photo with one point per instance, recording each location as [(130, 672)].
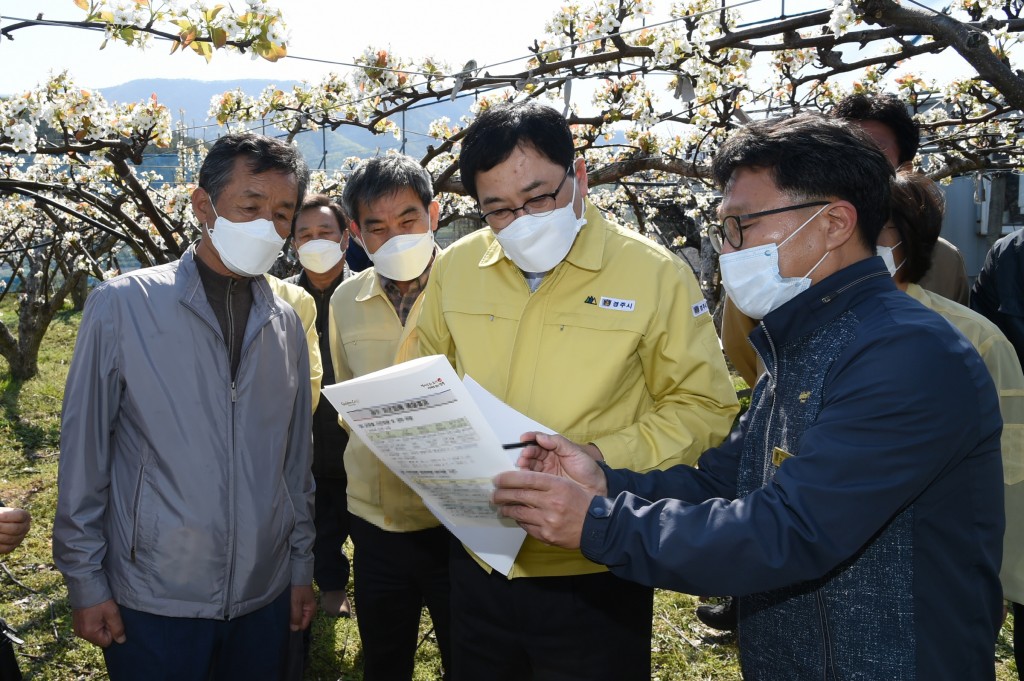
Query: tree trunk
[(996, 206), (24, 366), (79, 292)]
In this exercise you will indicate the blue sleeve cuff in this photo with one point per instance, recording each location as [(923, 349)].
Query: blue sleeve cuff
[(595, 528)]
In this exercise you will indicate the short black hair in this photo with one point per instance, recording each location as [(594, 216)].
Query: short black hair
[(323, 201), (811, 157), (383, 176), (918, 205), (888, 110), (262, 153), (496, 133)]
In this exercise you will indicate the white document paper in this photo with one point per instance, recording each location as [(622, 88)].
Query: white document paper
[(443, 439)]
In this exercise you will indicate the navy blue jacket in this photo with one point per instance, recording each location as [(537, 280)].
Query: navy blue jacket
[(856, 509), (998, 292)]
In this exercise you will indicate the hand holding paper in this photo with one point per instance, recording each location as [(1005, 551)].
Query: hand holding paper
[(550, 497), (443, 437)]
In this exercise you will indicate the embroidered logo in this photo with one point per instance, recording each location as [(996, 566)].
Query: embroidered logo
[(591, 300), (804, 396), (699, 308), (618, 304)]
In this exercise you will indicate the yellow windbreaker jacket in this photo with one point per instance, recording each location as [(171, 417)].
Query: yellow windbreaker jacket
[(1001, 359), (305, 307), (366, 336), (615, 347)]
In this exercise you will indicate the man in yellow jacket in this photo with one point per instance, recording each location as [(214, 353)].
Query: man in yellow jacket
[(401, 552), (594, 331)]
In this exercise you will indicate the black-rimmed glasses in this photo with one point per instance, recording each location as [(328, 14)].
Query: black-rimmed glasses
[(731, 228), (539, 205)]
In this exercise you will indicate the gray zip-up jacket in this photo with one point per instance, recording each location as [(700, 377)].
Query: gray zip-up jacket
[(180, 492)]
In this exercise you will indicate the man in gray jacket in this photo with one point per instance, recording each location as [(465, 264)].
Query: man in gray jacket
[(185, 500)]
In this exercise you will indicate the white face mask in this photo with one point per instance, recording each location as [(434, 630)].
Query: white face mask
[(403, 257), (538, 243), (890, 262), (246, 248), (752, 279), (320, 255)]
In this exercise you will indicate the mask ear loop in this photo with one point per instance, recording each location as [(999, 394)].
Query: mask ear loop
[(902, 262), (580, 221), (806, 222), (215, 215), (811, 271)]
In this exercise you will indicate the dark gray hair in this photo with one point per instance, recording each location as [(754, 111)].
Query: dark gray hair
[(262, 153), (812, 157), (383, 176)]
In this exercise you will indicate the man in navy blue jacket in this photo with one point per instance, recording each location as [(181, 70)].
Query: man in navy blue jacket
[(857, 508)]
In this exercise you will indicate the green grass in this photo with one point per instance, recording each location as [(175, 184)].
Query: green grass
[(683, 649)]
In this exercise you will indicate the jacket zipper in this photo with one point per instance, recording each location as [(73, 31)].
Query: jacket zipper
[(775, 357), (231, 454), (136, 507), (771, 412)]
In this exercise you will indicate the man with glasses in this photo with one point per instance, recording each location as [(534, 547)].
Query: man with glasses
[(594, 331), (856, 509), (885, 119)]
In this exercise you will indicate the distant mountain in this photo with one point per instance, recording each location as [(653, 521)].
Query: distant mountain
[(189, 101)]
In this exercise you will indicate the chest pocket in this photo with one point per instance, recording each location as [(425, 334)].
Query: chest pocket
[(602, 336), (368, 350), (476, 310), (592, 366), (483, 321), (602, 320)]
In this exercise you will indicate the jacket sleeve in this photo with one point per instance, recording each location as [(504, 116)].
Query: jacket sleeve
[(298, 473), (694, 402), (316, 366), (304, 305), (90, 411), (985, 293), (1001, 361), (890, 427), (342, 371), (713, 477)]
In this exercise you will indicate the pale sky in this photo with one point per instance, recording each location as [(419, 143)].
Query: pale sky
[(451, 30)]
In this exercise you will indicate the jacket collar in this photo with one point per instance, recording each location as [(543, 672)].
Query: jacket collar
[(304, 282), (587, 251), (194, 295), (826, 300), (372, 286)]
